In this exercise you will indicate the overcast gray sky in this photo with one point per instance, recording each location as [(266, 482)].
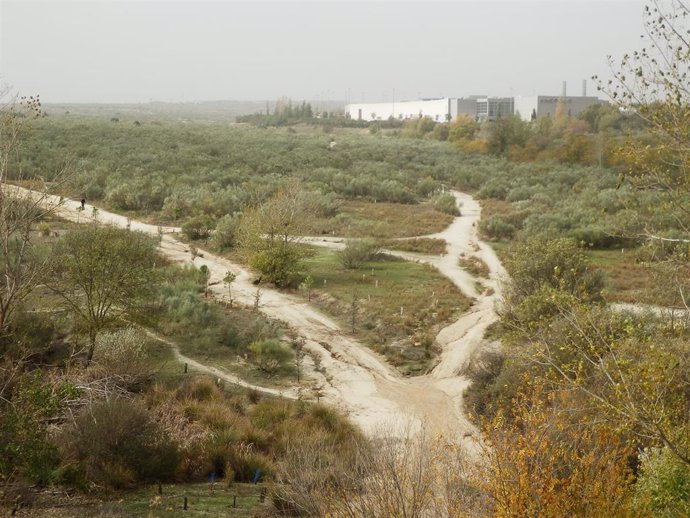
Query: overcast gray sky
[(136, 51)]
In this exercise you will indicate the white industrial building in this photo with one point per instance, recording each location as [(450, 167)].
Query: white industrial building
[(439, 110), (480, 108)]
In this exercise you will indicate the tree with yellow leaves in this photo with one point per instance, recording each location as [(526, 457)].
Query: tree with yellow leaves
[(542, 460)]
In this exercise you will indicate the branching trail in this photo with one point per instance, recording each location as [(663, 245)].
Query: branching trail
[(349, 375)]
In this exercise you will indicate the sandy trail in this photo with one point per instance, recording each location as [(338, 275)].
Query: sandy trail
[(349, 375)]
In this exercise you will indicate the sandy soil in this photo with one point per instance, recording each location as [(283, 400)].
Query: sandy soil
[(350, 376)]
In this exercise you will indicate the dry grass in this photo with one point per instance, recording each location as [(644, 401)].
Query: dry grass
[(474, 265), (492, 207), (629, 281), (420, 245), (390, 220)]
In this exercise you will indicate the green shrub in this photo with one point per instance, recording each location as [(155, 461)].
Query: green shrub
[(358, 252), (225, 234), (25, 410), (495, 188), (198, 227), (446, 203), (497, 228), (279, 265), (560, 264), (546, 277), (270, 355), (663, 485)]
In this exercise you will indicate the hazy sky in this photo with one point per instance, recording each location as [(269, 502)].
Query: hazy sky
[(117, 51)]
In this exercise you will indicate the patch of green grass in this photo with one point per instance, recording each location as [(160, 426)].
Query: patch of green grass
[(399, 306), (201, 501)]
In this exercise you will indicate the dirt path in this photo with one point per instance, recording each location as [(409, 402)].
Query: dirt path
[(348, 375)]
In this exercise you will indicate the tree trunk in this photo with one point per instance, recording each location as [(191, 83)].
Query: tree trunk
[(92, 347)]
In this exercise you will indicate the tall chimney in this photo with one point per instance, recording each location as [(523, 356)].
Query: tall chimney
[(564, 89), (584, 88)]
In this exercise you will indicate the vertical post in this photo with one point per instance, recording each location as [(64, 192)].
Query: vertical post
[(234, 500), (185, 504), (185, 368)]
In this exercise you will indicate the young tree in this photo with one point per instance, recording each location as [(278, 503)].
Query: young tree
[(206, 275), (270, 232), (228, 280), (306, 285), (104, 274)]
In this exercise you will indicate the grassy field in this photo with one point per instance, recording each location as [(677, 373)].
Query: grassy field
[(398, 306), (391, 220), (222, 342), (420, 245), (632, 281), (201, 501)]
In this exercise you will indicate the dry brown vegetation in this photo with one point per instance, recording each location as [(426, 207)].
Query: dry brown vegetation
[(391, 220), (475, 266), (419, 245)]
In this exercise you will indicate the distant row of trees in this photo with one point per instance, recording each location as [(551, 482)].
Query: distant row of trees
[(287, 113), (591, 138)]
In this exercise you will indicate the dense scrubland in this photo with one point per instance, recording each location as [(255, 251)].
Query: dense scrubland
[(582, 407), (202, 176), (230, 188)]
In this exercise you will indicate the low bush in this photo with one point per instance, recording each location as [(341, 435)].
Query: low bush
[(497, 228), (225, 234), (279, 266), (447, 204), (271, 355), (125, 354), (475, 266), (358, 252), (198, 227), (116, 444), (663, 484)]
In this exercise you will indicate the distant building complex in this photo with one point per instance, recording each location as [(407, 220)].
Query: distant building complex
[(478, 107), (545, 105)]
